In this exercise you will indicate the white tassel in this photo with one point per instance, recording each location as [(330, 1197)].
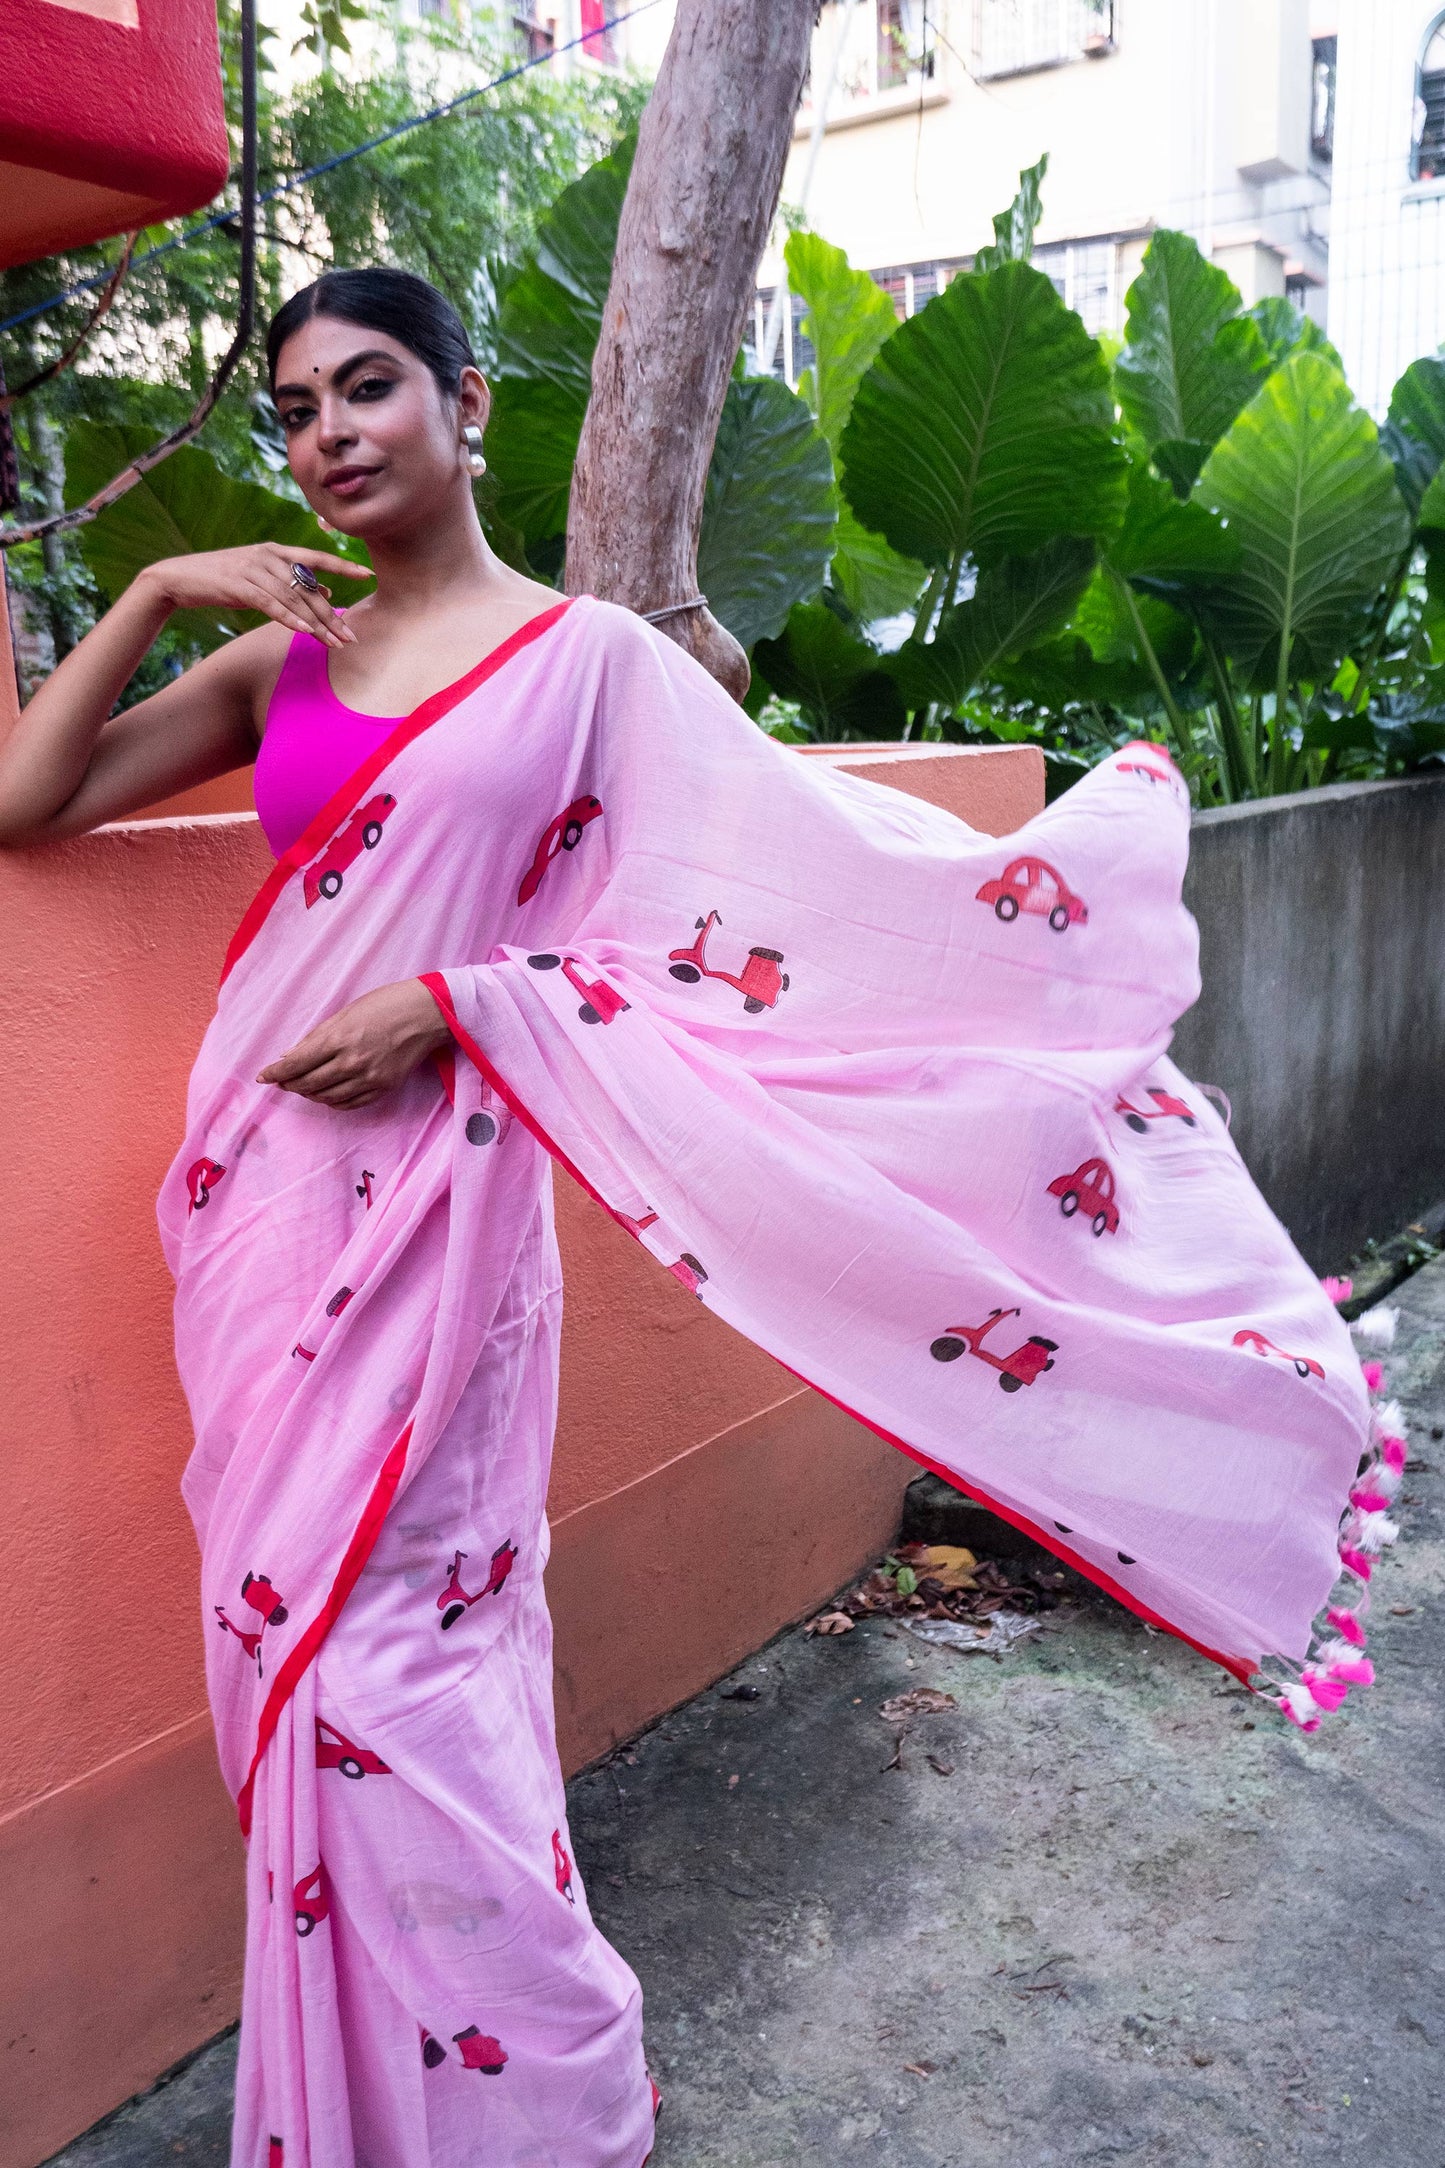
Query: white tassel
[(1377, 1327), (1302, 1706), (1374, 1530), (1383, 1478), (1390, 1420)]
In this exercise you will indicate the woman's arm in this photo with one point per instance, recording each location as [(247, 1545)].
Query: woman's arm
[(69, 765)]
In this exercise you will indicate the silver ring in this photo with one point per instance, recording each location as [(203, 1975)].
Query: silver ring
[(303, 577)]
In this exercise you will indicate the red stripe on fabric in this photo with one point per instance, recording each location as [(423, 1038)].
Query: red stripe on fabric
[(319, 831), (284, 1685), (1239, 1667)]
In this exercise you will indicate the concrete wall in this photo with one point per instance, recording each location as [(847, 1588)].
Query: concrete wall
[(700, 1497), (1323, 1014)]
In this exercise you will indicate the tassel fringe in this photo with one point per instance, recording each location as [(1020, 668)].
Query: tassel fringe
[(1337, 1659)]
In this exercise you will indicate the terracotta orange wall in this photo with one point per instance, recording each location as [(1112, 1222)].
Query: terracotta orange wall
[(118, 1854)]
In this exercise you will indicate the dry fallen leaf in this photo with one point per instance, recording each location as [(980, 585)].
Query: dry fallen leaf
[(948, 1564), (918, 1701), (920, 2070), (944, 1768), (829, 1622)]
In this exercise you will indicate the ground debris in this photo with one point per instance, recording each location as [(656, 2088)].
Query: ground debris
[(918, 1701)]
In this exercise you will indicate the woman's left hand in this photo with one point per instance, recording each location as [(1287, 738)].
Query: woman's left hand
[(365, 1049)]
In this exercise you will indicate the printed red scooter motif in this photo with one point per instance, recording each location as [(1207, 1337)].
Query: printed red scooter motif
[(454, 1602), (562, 1864), (323, 877), (599, 1001), (1166, 1107), (564, 834), (275, 2154), (1305, 1365), (760, 982), (491, 1120), (1039, 890), (201, 1179), (1027, 1362), (479, 2051), (256, 1590)]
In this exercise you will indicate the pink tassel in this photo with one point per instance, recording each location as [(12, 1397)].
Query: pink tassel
[(1347, 1626), (1369, 1501), (1338, 1290), (1353, 1670), (1374, 1376), (1327, 1692), (1356, 1562), (1394, 1453), (1299, 1707)]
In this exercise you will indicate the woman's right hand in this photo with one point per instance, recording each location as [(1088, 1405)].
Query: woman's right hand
[(257, 576)]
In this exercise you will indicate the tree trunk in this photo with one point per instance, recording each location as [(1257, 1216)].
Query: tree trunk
[(710, 155)]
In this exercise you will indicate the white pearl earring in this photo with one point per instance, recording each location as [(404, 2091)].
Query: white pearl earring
[(472, 455)]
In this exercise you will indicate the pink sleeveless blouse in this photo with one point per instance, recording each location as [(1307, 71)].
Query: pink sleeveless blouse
[(311, 744)]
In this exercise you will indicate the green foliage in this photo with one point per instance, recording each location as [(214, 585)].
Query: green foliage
[(1014, 229), (848, 319), (767, 517), (1192, 360), (984, 426), (1015, 604), (187, 503), (836, 678)]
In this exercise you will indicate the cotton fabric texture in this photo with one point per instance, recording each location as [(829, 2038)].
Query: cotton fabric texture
[(890, 1096)]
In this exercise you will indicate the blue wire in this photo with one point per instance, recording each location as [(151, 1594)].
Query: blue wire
[(327, 165)]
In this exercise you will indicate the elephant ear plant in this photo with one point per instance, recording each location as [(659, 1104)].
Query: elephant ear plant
[(1210, 541)]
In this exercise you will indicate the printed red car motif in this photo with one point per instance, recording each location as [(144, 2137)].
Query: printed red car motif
[(433, 1904), (1090, 1190), (311, 1899), (454, 1601), (1165, 1108), (564, 834), (361, 833), (1026, 1363), (599, 1001), (760, 981), (562, 1865), (201, 1179), (339, 1301), (335, 1751), (275, 2154), (1306, 1365), (480, 2051), (492, 1119), (1033, 886), (690, 1272)]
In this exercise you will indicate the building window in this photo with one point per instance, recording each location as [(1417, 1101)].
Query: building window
[(1429, 153), (1086, 274), (905, 44), (1322, 108), (1012, 37), (597, 39), (538, 36)]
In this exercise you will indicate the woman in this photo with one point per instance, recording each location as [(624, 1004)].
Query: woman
[(883, 1092)]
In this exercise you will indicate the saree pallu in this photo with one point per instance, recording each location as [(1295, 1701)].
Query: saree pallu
[(891, 1097)]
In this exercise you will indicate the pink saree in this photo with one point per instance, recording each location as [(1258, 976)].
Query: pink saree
[(890, 1096)]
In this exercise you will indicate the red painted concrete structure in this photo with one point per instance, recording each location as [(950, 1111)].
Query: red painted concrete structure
[(110, 118), (700, 1496)]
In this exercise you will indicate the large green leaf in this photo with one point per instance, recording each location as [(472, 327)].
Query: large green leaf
[(768, 510), (1287, 330), (873, 579), (531, 450), (985, 425), (848, 319), (186, 503), (1014, 229), (1014, 605), (551, 315), (1165, 540), (1191, 361), (837, 679), (1311, 497), (1417, 404)]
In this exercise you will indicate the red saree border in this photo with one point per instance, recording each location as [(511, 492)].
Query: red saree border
[(320, 829), (284, 1685), (1239, 1667)]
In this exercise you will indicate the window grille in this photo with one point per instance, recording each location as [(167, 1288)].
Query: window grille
[(1429, 154), (1322, 108), (905, 44), (538, 37), (1012, 37), (1086, 274)]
